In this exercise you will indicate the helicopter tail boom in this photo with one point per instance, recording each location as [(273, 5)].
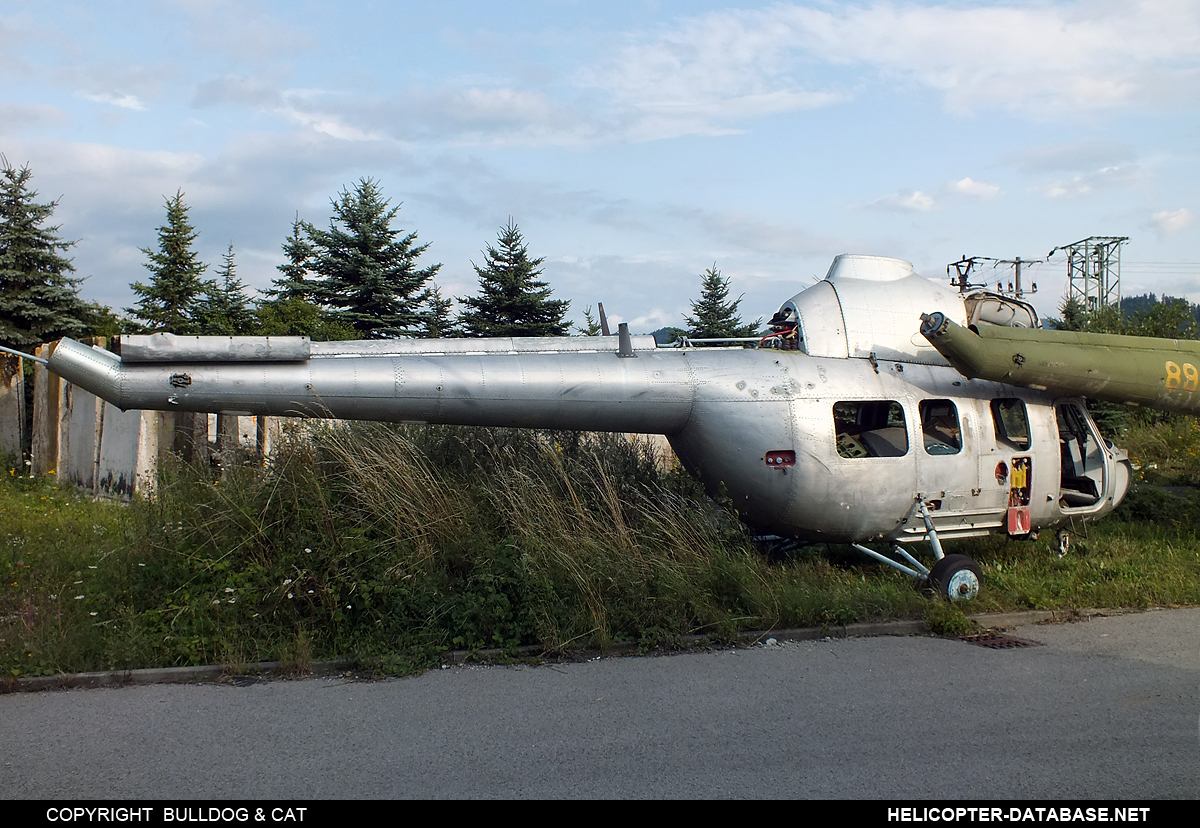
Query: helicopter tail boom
[(505, 382)]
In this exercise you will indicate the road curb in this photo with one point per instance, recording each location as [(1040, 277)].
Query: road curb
[(866, 629), (249, 673), (169, 675)]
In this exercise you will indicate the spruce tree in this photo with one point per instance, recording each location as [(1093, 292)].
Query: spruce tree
[(39, 301), (715, 315), (296, 317), (297, 280), (512, 301), (591, 325), (170, 302), (224, 309), (438, 324), (368, 273)]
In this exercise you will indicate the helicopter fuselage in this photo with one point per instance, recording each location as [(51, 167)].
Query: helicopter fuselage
[(811, 447)]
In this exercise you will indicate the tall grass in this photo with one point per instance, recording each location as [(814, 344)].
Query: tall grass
[(1166, 451), (391, 544), (394, 544)]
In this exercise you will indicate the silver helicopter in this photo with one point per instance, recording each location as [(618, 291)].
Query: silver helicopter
[(843, 425)]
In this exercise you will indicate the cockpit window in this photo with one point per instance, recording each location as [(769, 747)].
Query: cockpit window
[(870, 428), (786, 332), (939, 427), (1011, 422)]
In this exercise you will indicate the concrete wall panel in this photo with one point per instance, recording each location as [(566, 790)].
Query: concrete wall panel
[(12, 406)]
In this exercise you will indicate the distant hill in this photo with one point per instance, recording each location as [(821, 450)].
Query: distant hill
[(1133, 305)]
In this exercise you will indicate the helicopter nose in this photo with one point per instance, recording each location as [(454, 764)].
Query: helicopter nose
[(1123, 478)]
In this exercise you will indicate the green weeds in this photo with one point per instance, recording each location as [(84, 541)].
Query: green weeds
[(389, 545)]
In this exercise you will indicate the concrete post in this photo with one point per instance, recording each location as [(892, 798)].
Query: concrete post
[(190, 440), (47, 392), (128, 453), (80, 436), (12, 407), (228, 443)]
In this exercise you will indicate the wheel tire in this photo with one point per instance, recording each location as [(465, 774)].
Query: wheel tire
[(955, 578)]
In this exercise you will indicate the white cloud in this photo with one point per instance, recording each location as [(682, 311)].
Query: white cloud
[(124, 101), (910, 200), (759, 234), (497, 116), (241, 29), (1074, 157), (1170, 222), (325, 123), (1045, 59), (1088, 184), (977, 189), (712, 74), (237, 89), (16, 116), (120, 83)]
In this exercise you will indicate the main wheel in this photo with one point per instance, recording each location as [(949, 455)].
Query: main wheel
[(955, 578)]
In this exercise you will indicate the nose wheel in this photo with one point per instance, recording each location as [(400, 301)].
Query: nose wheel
[(955, 578), (1064, 543)]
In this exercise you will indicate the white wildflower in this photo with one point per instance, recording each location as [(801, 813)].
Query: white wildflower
[(80, 597)]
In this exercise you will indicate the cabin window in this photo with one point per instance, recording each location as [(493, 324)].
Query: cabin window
[(939, 427), (870, 428), (1011, 422)]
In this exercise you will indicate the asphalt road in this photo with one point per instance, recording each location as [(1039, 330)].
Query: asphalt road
[(1108, 708)]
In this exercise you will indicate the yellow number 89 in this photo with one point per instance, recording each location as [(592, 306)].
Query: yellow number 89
[(1189, 377)]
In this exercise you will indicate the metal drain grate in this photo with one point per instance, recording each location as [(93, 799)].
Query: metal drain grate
[(998, 641)]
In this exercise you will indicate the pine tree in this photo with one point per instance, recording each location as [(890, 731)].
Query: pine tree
[(99, 320), (368, 272), (439, 325), (591, 325), (39, 301), (296, 317), (297, 280), (511, 301), (1077, 317), (715, 315), (170, 301), (224, 309)]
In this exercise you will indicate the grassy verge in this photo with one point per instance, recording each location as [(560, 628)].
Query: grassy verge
[(390, 545)]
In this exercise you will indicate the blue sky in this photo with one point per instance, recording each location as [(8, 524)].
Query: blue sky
[(634, 143)]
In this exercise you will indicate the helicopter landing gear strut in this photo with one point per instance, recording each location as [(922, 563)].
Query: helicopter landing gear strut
[(953, 577)]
